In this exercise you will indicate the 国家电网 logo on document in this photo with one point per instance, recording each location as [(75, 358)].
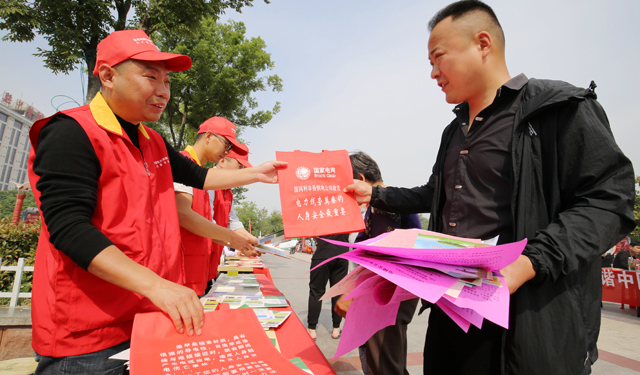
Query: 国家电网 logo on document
[(303, 173)]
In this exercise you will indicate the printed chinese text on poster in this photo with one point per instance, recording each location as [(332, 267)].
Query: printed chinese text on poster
[(312, 197)]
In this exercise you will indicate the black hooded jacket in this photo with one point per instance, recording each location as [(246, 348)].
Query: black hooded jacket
[(573, 192)]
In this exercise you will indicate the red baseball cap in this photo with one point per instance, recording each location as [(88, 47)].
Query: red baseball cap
[(242, 159), (222, 126), (123, 45)]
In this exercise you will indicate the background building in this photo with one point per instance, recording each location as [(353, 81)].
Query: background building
[(16, 118)]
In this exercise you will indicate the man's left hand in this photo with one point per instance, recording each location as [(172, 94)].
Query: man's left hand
[(518, 273), (268, 172)]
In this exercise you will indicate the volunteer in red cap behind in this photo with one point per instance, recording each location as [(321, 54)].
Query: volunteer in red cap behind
[(216, 138), (109, 245), (224, 213)]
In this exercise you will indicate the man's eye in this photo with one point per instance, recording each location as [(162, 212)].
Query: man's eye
[(151, 77)]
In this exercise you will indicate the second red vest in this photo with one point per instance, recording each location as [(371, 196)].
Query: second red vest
[(196, 250), (221, 208)]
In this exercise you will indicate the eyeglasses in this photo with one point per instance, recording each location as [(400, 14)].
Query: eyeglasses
[(227, 145), (238, 165)]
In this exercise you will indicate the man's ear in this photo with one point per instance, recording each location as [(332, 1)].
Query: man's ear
[(106, 74), (485, 42), (208, 136), (361, 177)]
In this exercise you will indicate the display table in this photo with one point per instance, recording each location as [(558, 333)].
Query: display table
[(621, 286), (293, 339), (254, 270)]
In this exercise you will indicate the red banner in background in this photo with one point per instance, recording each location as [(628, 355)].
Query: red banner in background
[(621, 286), (311, 196)]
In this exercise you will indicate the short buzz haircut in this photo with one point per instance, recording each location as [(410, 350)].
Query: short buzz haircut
[(198, 136), (362, 163), (465, 7)]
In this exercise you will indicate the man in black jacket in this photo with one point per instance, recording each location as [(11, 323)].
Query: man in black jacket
[(524, 158)]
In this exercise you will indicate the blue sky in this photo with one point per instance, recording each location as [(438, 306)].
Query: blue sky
[(356, 75)]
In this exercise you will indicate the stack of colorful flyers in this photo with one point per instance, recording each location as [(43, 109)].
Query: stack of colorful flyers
[(459, 275)]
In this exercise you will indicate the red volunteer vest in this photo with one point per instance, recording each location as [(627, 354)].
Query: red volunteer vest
[(221, 208), (74, 312), (196, 249)]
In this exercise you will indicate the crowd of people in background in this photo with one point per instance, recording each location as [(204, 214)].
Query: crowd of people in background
[(625, 255)]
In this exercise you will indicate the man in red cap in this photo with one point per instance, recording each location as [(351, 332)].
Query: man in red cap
[(216, 138), (224, 214), (109, 245)]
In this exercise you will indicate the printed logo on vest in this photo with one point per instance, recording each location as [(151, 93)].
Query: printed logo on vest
[(161, 162), (303, 173)]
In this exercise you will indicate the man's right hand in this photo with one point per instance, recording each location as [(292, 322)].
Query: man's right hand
[(361, 191), (181, 304), (243, 244)]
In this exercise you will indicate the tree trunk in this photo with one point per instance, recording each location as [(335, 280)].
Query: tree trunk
[(182, 125), (123, 7), (170, 117), (93, 82), (93, 86)]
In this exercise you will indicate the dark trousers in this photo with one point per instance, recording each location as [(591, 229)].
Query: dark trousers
[(333, 272), (96, 363), (387, 349), (448, 350)]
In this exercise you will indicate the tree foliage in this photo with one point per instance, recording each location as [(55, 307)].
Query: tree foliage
[(424, 220), (226, 72), (261, 221), (17, 241), (73, 28), (8, 202), (635, 235)]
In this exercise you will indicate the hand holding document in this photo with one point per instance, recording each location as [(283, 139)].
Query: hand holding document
[(273, 250), (457, 274)]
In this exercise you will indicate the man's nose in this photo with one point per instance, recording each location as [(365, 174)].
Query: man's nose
[(435, 72)]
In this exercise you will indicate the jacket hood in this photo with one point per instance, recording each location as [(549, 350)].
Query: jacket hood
[(542, 93)]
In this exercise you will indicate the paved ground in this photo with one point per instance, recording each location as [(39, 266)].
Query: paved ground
[(618, 343)]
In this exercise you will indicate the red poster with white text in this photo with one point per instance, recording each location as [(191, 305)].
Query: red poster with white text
[(232, 342), (311, 196)]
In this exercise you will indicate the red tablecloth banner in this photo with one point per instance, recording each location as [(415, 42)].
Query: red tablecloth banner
[(263, 271)]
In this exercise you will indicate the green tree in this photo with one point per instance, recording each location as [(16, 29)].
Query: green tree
[(73, 28), (273, 223), (238, 194), (250, 212), (226, 72), (8, 202), (424, 220), (635, 235), (17, 241), (261, 220)]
